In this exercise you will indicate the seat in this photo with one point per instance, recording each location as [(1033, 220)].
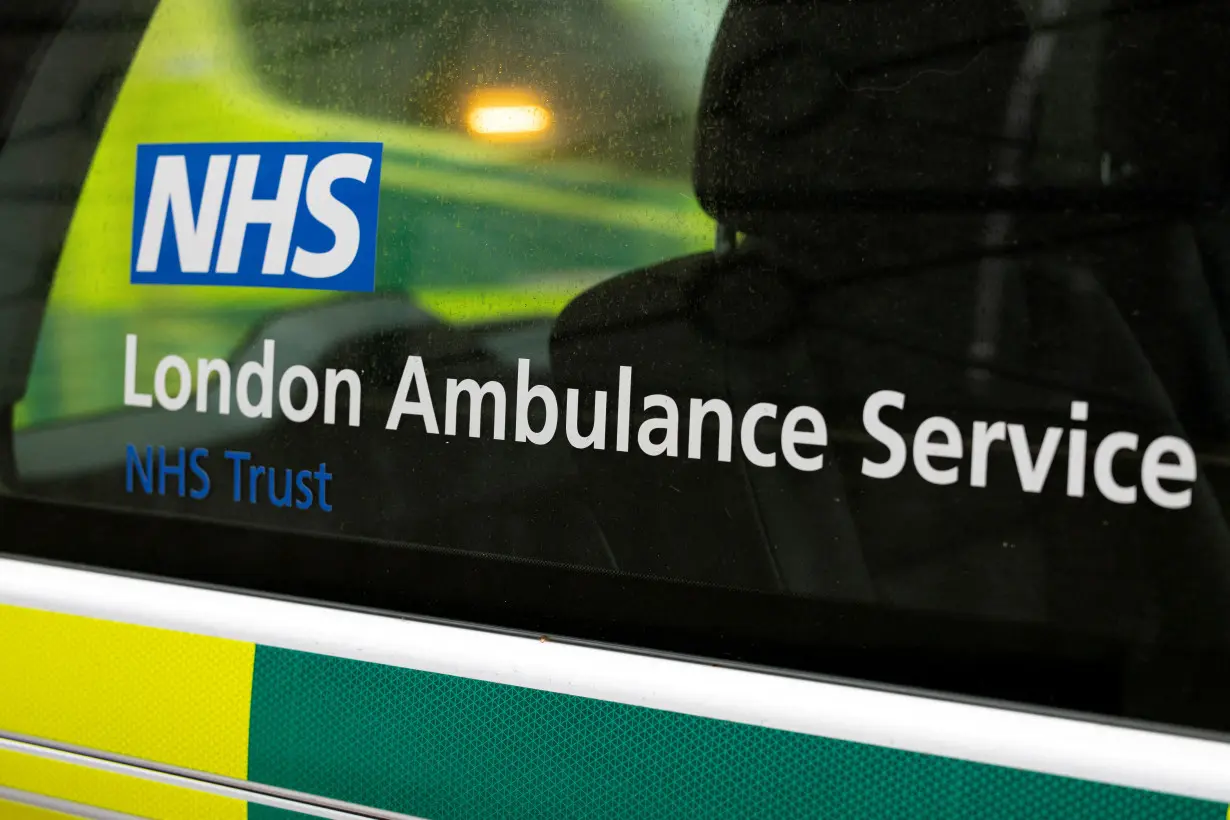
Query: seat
[(955, 201)]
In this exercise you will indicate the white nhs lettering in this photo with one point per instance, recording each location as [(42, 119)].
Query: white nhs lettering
[(195, 232)]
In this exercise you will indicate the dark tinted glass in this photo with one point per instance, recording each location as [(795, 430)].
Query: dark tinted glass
[(946, 346)]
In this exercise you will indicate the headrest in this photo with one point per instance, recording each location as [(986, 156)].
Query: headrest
[(812, 106)]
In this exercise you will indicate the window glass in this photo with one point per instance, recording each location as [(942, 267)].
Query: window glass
[(504, 224), (614, 81), (915, 308)]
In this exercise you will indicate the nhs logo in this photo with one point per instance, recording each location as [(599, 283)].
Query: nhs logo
[(257, 214)]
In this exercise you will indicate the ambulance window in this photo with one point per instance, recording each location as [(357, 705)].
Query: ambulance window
[(608, 80), (530, 149), (880, 340)]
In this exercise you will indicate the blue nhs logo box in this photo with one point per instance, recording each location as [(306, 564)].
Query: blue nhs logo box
[(257, 214)]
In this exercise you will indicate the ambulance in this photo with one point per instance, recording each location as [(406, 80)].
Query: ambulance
[(615, 408)]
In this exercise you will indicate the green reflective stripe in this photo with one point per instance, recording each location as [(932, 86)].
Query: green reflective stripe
[(444, 747), (574, 176), (542, 182), (688, 223)]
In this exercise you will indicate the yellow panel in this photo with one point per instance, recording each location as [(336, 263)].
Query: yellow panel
[(151, 693), (17, 811), (108, 790)]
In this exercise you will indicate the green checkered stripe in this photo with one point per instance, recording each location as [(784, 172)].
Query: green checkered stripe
[(447, 748)]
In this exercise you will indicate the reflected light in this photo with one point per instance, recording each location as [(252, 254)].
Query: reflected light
[(507, 114)]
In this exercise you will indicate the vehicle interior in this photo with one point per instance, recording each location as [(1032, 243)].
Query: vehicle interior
[(952, 175), (1020, 168)]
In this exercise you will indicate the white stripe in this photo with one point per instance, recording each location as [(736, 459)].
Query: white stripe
[(1109, 754)]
